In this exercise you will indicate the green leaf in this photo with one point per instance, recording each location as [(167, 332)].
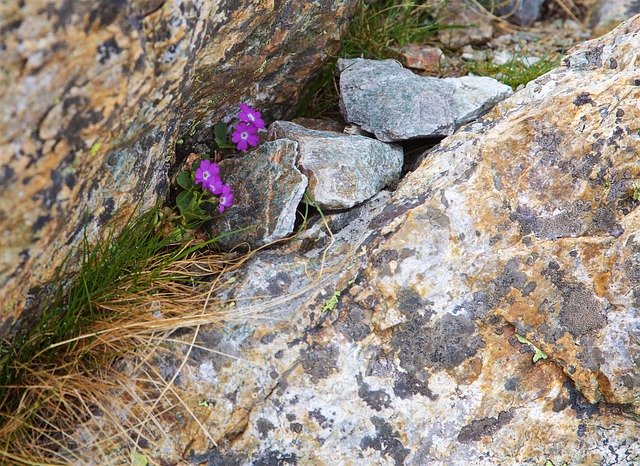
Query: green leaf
[(538, 354), (95, 148), (220, 136), (138, 459), (220, 132), (183, 201), (184, 180)]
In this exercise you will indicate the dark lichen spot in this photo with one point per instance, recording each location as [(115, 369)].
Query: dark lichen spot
[(511, 277), (40, 222), (582, 429), (218, 458), (108, 206), (276, 458), (579, 403), (488, 426), (375, 399), (445, 345), (354, 324), (267, 338), (320, 418), (411, 303), (279, 284), (566, 223), (583, 98), (386, 441), (581, 312), (106, 13), (108, 49), (320, 362), (511, 384), (263, 427), (6, 176), (408, 384), (296, 427)]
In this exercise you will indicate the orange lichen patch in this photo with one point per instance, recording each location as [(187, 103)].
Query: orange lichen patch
[(469, 371)]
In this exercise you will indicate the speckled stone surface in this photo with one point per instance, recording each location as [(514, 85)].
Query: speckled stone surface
[(395, 104), (343, 170), (404, 350), (93, 96), (267, 188)]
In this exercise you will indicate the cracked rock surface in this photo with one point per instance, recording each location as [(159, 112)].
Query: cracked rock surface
[(93, 96), (401, 338), (343, 170), (395, 104)]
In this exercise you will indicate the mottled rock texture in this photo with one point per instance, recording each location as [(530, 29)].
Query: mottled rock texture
[(520, 12), (404, 349), (395, 104), (93, 94), (343, 170), (609, 13), (476, 24), (267, 190)]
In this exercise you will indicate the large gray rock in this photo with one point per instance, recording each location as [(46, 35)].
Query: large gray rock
[(406, 331), (267, 189), (343, 170), (520, 12), (395, 104), (93, 96)]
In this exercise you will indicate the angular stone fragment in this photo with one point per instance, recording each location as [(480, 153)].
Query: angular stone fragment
[(343, 170), (607, 14), (420, 57), (520, 12), (267, 190), (395, 104)]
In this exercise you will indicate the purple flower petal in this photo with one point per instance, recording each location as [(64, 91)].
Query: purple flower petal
[(215, 187), (242, 145), (253, 140)]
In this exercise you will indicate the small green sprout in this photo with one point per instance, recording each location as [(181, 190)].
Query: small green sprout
[(138, 459), (635, 193), (95, 148), (538, 353), (332, 302)]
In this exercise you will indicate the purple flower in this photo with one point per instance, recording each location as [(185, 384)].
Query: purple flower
[(226, 198), (245, 135), (207, 173), (215, 187), (251, 116)]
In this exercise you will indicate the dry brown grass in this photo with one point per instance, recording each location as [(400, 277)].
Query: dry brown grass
[(68, 410), (97, 397), (82, 387)]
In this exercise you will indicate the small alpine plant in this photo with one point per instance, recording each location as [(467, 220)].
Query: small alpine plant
[(202, 186)]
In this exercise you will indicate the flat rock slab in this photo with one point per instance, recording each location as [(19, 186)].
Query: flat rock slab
[(267, 189), (395, 104), (343, 170)]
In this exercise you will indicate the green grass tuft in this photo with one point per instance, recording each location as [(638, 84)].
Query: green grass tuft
[(514, 72), (377, 31), (112, 275)]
